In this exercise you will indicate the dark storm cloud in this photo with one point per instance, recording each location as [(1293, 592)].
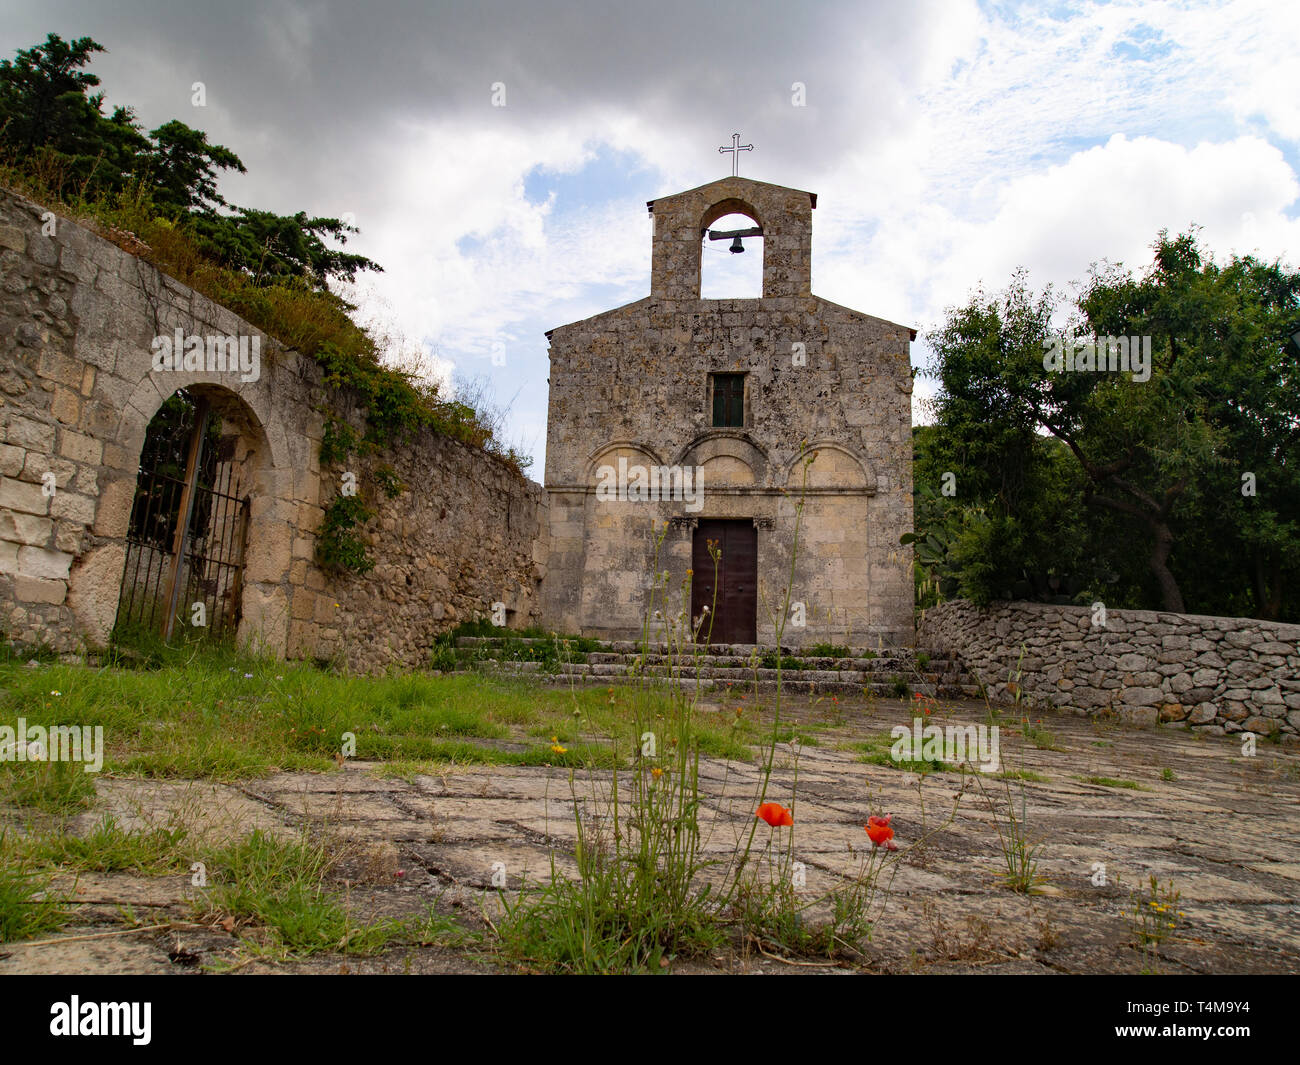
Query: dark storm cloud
[(312, 83)]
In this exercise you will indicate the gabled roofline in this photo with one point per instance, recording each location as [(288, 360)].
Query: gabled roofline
[(650, 204), (911, 332)]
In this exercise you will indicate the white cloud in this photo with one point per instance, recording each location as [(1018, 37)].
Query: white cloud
[(948, 142), (1106, 202)]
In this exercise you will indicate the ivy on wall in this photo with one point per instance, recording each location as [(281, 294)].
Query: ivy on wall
[(338, 547)]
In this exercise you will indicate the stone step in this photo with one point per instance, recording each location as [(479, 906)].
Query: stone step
[(931, 684), (941, 691), (733, 674), (877, 664), (723, 666), (633, 647), (889, 661)]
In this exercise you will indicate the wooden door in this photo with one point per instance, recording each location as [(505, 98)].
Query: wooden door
[(735, 611)]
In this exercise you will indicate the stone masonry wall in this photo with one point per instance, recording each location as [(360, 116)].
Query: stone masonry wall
[(1212, 674), (466, 532), (634, 384), (77, 391)]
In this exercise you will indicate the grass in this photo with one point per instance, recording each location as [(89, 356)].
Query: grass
[(109, 848), (1020, 854), (1041, 738), (533, 644), (1115, 782), (1154, 918), (606, 921), (773, 660), (274, 892), (877, 750), (802, 735), (208, 712), (1023, 774), (26, 908), (52, 787)]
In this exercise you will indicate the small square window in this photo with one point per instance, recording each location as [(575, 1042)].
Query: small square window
[(728, 400)]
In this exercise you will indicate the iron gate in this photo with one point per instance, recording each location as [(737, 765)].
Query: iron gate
[(185, 544)]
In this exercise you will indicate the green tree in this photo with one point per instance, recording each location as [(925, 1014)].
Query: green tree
[(49, 123), (275, 248), (1010, 489), (182, 168), (1159, 462), (1227, 385), (44, 97)]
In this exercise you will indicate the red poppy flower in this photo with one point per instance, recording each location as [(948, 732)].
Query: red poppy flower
[(880, 833), (775, 814)]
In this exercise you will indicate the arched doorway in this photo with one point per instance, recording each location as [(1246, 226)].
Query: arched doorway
[(186, 538)]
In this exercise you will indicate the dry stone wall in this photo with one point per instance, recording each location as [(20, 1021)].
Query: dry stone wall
[(78, 387), (1212, 674)]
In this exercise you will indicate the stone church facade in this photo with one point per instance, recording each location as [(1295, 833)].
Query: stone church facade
[(743, 408)]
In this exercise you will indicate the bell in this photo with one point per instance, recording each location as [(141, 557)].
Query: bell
[(736, 247)]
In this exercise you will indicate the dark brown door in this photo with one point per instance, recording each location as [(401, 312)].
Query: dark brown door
[(736, 610)]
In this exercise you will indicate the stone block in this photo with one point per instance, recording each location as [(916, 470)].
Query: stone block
[(12, 458), (1139, 696), (13, 238), (66, 406), (31, 434), (44, 563), (80, 448), (36, 590), (61, 369), (23, 496), (73, 507), (25, 528)]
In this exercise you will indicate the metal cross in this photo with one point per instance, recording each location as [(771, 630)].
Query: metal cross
[(736, 148)]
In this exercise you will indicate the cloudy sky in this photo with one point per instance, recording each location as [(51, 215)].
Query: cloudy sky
[(948, 142)]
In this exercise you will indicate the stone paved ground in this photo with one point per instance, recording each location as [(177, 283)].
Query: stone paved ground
[(1225, 829)]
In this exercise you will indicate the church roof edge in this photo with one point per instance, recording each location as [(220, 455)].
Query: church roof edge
[(650, 204), (912, 332)]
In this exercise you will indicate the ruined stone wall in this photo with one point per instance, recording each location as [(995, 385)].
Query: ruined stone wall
[(1212, 674), (634, 383), (465, 532), (78, 387)]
